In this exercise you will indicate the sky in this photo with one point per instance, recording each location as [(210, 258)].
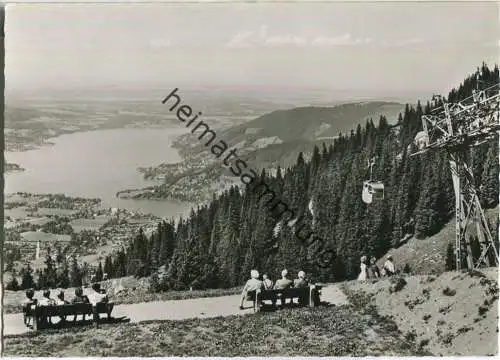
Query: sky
[(375, 48)]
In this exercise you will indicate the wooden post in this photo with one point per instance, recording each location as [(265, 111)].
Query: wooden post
[(36, 317), (311, 295), (256, 302)]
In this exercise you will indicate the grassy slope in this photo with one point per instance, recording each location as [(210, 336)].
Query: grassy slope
[(462, 320), (322, 331), (428, 256)]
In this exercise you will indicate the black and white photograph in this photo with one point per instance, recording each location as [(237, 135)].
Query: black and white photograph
[(250, 179)]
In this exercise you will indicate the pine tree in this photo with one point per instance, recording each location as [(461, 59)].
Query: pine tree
[(99, 273), (63, 276), (75, 275), (108, 267), (50, 276), (13, 284)]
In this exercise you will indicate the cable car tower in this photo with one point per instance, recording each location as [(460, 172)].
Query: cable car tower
[(457, 127)]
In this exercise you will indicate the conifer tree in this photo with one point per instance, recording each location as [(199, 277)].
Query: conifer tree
[(99, 273)]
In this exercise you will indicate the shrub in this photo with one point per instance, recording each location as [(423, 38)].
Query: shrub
[(476, 273), (407, 269), (464, 329), (12, 285), (411, 335), (447, 339), (482, 310), (397, 284), (444, 309), (424, 342), (449, 292)]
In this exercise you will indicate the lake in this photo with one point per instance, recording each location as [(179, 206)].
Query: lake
[(98, 164)]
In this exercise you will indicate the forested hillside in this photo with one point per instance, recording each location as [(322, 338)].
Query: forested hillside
[(278, 137), (219, 243)]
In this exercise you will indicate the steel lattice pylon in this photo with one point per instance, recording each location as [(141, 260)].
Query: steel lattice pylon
[(457, 127)]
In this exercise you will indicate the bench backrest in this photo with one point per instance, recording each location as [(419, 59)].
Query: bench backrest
[(288, 293), (70, 309)]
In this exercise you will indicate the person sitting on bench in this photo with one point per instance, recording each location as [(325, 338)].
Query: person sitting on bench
[(79, 299), (60, 301), (250, 288), (46, 300), (267, 283), (28, 304), (301, 282), (98, 296), (282, 284)]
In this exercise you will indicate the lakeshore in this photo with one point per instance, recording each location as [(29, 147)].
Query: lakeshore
[(69, 167)]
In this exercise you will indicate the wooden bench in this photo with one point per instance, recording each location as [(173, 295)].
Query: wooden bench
[(41, 313), (306, 296)]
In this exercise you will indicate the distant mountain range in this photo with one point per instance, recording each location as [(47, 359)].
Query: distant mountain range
[(291, 97)]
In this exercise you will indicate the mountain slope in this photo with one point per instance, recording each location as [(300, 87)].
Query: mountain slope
[(452, 314), (292, 131), (428, 256), (309, 123)]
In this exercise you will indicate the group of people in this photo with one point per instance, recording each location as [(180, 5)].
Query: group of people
[(371, 271), (94, 295), (254, 284)]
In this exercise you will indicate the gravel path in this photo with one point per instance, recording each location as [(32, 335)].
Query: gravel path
[(178, 309)]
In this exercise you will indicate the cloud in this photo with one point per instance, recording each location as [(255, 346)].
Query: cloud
[(342, 40), (263, 38), (241, 39)]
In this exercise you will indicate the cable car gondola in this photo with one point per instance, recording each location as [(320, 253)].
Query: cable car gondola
[(372, 189)]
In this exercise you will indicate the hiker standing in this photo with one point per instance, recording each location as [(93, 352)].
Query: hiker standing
[(362, 275), (373, 271)]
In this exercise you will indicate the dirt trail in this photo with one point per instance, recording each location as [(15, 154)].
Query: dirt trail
[(178, 309)]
